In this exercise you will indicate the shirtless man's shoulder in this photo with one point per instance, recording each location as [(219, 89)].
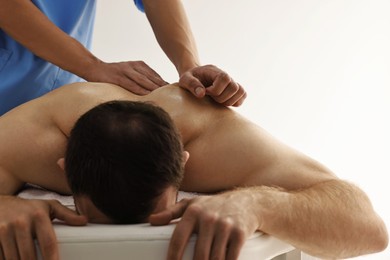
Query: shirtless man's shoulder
[(34, 135)]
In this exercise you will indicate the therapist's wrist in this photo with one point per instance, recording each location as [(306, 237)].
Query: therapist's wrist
[(91, 69), (186, 66)]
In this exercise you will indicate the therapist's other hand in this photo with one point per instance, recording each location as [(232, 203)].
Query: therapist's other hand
[(135, 76), (221, 222), (214, 82), (23, 220)]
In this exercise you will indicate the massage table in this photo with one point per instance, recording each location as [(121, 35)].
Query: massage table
[(141, 241)]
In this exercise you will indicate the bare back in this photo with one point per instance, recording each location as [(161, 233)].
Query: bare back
[(225, 149)]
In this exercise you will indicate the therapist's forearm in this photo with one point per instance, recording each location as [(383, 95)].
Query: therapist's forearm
[(25, 23), (173, 32)]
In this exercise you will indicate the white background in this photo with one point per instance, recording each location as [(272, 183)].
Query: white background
[(317, 73)]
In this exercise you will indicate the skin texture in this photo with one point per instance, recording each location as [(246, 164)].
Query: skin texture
[(261, 183), (25, 23)]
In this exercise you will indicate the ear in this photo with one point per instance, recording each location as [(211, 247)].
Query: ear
[(186, 155), (61, 163)]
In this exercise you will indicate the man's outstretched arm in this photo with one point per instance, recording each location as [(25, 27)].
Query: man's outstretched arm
[(21, 221), (331, 219)]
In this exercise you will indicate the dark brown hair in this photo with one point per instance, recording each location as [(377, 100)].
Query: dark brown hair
[(123, 155)]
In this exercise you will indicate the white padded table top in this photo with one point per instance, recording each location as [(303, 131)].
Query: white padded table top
[(141, 241)]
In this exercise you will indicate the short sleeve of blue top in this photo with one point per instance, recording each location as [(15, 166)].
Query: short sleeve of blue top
[(23, 75)]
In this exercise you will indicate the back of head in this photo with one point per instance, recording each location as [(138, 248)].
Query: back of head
[(123, 155)]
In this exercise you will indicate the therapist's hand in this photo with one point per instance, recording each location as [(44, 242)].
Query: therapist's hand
[(135, 76), (214, 82), (223, 223), (23, 220)]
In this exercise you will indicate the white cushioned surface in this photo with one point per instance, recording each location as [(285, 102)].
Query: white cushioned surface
[(141, 241)]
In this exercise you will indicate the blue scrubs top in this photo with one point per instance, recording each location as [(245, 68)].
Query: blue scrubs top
[(25, 76)]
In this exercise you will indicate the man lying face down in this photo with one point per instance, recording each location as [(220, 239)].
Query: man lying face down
[(126, 159)]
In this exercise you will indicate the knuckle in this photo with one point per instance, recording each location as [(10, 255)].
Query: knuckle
[(39, 215), (194, 209), (21, 224), (225, 226), (224, 76), (210, 218), (184, 78), (4, 228), (226, 223), (141, 63), (237, 88), (185, 201)]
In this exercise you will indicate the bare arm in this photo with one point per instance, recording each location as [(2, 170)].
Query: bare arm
[(25, 23), (333, 219), (21, 218), (173, 32), (286, 194), (9, 184)]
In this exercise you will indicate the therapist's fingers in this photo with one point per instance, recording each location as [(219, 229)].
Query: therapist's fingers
[(237, 99), (142, 75), (137, 80), (134, 76), (222, 84), (150, 74), (211, 81), (192, 83)]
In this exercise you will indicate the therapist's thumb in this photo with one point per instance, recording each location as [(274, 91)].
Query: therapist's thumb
[(192, 84)]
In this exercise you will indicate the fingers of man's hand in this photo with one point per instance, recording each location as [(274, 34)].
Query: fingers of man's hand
[(218, 238), (220, 243), (70, 217), (8, 242), (166, 216), (182, 233), (45, 235), (26, 245), (205, 236), (43, 227), (236, 241)]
